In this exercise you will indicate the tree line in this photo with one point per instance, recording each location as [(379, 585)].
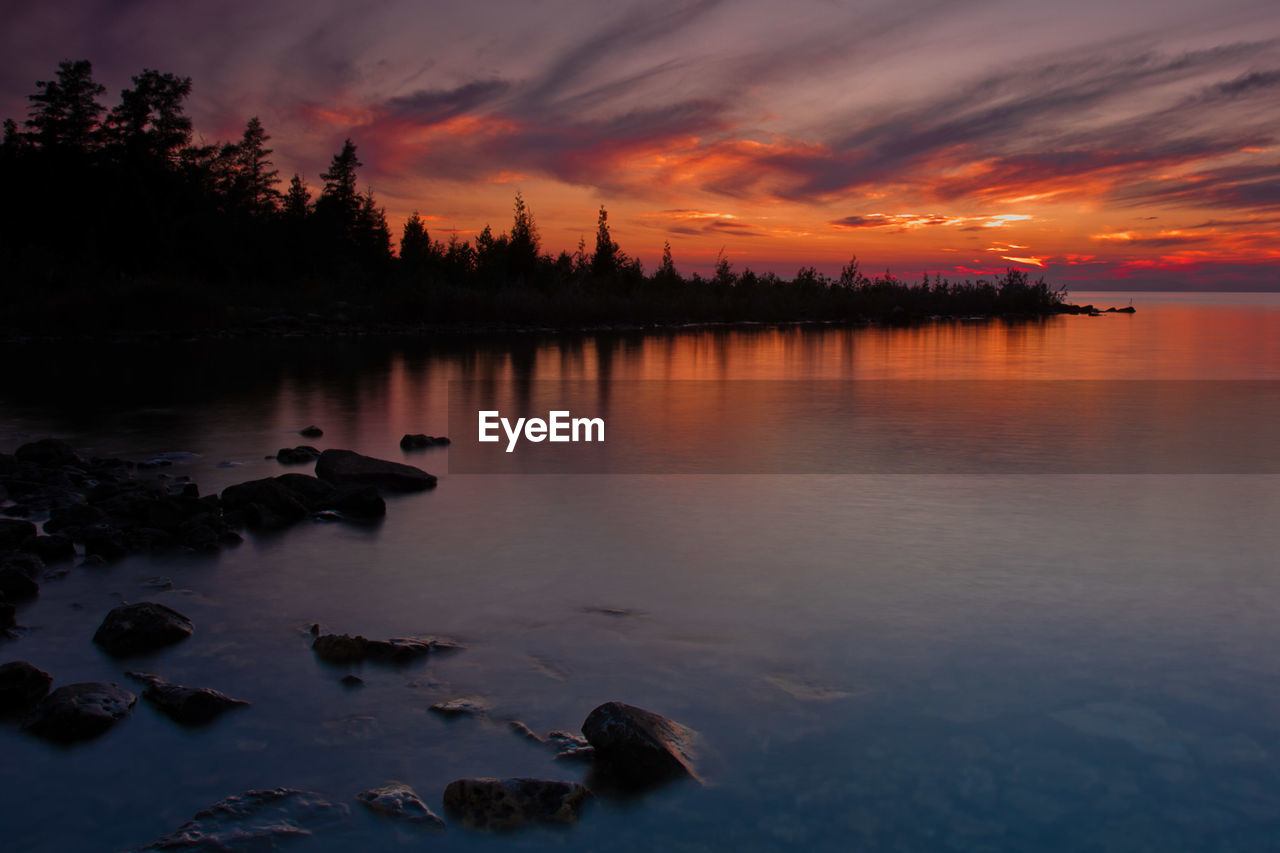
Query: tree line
[(120, 214)]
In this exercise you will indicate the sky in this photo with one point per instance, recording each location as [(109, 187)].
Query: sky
[(1105, 145)]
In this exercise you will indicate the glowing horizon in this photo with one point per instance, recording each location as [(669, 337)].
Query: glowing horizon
[(1103, 145)]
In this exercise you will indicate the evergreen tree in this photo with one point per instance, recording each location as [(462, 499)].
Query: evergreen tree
[(297, 202), (255, 180), (415, 244), (604, 263), (149, 123), (64, 113), (373, 235), (339, 201), (523, 244)]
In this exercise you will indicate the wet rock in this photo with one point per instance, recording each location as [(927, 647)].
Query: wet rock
[(79, 711), (638, 748), (312, 431), (1135, 725), (350, 680), (570, 747), (187, 705), (346, 466), (22, 686), (344, 648), (50, 549), (16, 586), (73, 516), (92, 561), (27, 564), (15, 531), (357, 502), (299, 455), (504, 804), (463, 707), (266, 503), (136, 628), (49, 453), (420, 441), (254, 820), (398, 800), (524, 731), (105, 541)]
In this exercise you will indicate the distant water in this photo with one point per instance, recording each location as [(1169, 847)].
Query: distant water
[(888, 661)]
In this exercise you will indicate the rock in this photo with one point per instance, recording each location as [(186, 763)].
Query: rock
[(255, 820), (8, 615), (79, 711), (638, 748), (524, 731), (358, 502), (136, 628), (21, 686), (16, 586), (312, 431), (398, 800), (420, 441), (464, 707), (501, 804), (350, 680), (26, 564), (50, 549), (188, 705), (299, 455), (345, 466), (343, 648), (15, 531), (267, 503), (49, 453)]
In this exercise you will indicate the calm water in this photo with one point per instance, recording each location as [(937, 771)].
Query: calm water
[(897, 662)]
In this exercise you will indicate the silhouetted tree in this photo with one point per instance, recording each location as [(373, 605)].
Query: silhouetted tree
[(415, 245), (339, 202), (297, 201), (64, 113), (149, 124), (254, 182), (604, 263), (522, 246)]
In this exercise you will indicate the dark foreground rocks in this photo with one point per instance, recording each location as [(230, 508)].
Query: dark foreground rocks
[(254, 820), (504, 804), (22, 686), (273, 503), (132, 629), (349, 467), (344, 648), (398, 800), (300, 455), (467, 706), (79, 711), (421, 441), (190, 706), (637, 748)]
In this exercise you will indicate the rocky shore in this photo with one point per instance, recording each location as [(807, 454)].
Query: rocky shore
[(98, 511)]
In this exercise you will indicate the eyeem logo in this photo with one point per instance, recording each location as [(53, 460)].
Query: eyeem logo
[(559, 426)]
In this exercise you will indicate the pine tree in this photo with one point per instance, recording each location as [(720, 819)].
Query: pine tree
[(149, 123), (64, 113), (297, 202), (523, 244), (415, 244), (339, 202), (604, 262), (255, 179)]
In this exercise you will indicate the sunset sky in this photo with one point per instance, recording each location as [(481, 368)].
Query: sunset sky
[(1106, 144)]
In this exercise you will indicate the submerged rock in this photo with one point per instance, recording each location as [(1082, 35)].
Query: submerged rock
[(254, 820), (502, 804), (276, 502), (344, 648), (638, 748), (350, 680), (15, 531), (49, 453), (79, 711), (418, 441), (398, 800), (312, 431), (188, 705), (346, 466), (463, 707), (22, 686), (132, 629)]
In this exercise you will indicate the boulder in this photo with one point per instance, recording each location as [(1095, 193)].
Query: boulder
[(254, 820), (16, 586), (638, 748), (267, 503), (312, 431), (398, 800), (79, 711), (132, 629), (346, 466), (49, 453), (300, 455), (26, 564), (187, 705), (469, 706), (503, 804), (50, 549), (15, 531), (21, 686)]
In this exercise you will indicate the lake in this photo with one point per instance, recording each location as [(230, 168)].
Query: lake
[(925, 657)]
